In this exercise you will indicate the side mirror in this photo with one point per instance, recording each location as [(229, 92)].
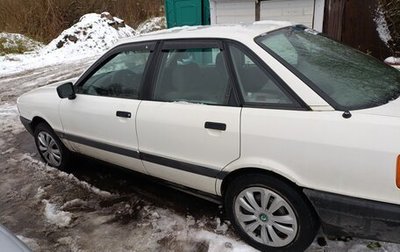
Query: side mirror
[(66, 91)]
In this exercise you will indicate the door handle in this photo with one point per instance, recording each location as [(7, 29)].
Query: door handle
[(124, 114), (215, 126)]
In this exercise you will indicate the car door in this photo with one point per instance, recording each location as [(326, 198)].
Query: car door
[(100, 121), (188, 129)]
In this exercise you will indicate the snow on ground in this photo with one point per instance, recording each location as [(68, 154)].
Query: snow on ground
[(91, 36), (15, 40), (56, 216), (150, 25)]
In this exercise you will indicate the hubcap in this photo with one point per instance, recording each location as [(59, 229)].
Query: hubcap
[(263, 217), (49, 149), (266, 217)]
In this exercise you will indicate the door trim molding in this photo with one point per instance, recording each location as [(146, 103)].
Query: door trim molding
[(175, 164), (99, 145)]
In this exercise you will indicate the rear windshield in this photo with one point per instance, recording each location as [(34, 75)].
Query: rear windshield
[(345, 77)]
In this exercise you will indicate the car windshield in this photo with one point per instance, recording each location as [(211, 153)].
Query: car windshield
[(345, 77)]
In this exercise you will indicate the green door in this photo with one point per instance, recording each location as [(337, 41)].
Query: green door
[(187, 12)]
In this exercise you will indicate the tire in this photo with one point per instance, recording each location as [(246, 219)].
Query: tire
[(50, 147), (288, 223)]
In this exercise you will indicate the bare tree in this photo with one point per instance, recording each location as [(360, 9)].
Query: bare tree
[(391, 12)]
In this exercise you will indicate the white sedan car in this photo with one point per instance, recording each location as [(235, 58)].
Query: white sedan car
[(10, 243), (286, 127)]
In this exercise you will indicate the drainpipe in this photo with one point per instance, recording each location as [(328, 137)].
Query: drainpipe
[(258, 10)]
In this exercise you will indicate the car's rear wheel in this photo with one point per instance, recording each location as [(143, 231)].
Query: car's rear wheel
[(50, 147), (269, 214)]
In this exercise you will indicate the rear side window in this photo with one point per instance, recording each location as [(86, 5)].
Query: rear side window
[(256, 84), (119, 77), (195, 75), (343, 76)]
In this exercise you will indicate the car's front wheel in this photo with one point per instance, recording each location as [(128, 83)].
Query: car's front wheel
[(269, 214), (50, 147)]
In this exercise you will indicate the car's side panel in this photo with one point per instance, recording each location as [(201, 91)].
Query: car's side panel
[(44, 103), (176, 131), (188, 179), (323, 150), (92, 127)]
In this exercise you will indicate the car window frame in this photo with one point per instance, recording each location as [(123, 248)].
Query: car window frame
[(296, 72), (281, 84), (138, 46), (232, 99)]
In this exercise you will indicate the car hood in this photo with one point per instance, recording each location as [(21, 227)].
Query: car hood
[(58, 83), (391, 109), (49, 87)]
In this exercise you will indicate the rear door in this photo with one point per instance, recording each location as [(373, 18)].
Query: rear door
[(100, 122), (188, 130)]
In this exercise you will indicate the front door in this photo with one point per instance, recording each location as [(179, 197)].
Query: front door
[(189, 129), (100, 122)]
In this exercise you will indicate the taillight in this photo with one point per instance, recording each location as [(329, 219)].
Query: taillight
[(398, 172)]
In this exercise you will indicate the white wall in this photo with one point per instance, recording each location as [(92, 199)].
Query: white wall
[(232, 11), (297, 11), (319, 15)]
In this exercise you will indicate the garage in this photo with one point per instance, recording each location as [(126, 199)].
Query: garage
[(307, 12)]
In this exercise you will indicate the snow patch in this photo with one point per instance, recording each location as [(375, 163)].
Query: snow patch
[(221, 227), (8, 110), (12, 149), (73, 203), (222, 243), (63, 175), (69, 241), (93, 34), (9, 122), (84, 184), (382, 26), (40, 193), (11, 40), (273, 23), (392, 61), (55, 216), (31, 243), (152, 24)]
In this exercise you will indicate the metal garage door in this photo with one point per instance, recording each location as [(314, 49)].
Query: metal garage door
[(297, 11), (232, 11)]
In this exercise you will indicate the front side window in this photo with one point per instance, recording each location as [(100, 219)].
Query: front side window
[(196, 75), (348, 78), (119, 77), (256, 84)]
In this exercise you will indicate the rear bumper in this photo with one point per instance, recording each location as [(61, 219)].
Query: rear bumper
[(27, 124), (348, 216)]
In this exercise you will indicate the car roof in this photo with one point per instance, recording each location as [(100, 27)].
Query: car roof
[(10, 243), (235, 32)]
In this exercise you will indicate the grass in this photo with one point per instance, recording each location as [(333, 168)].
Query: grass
[(16, 47)]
